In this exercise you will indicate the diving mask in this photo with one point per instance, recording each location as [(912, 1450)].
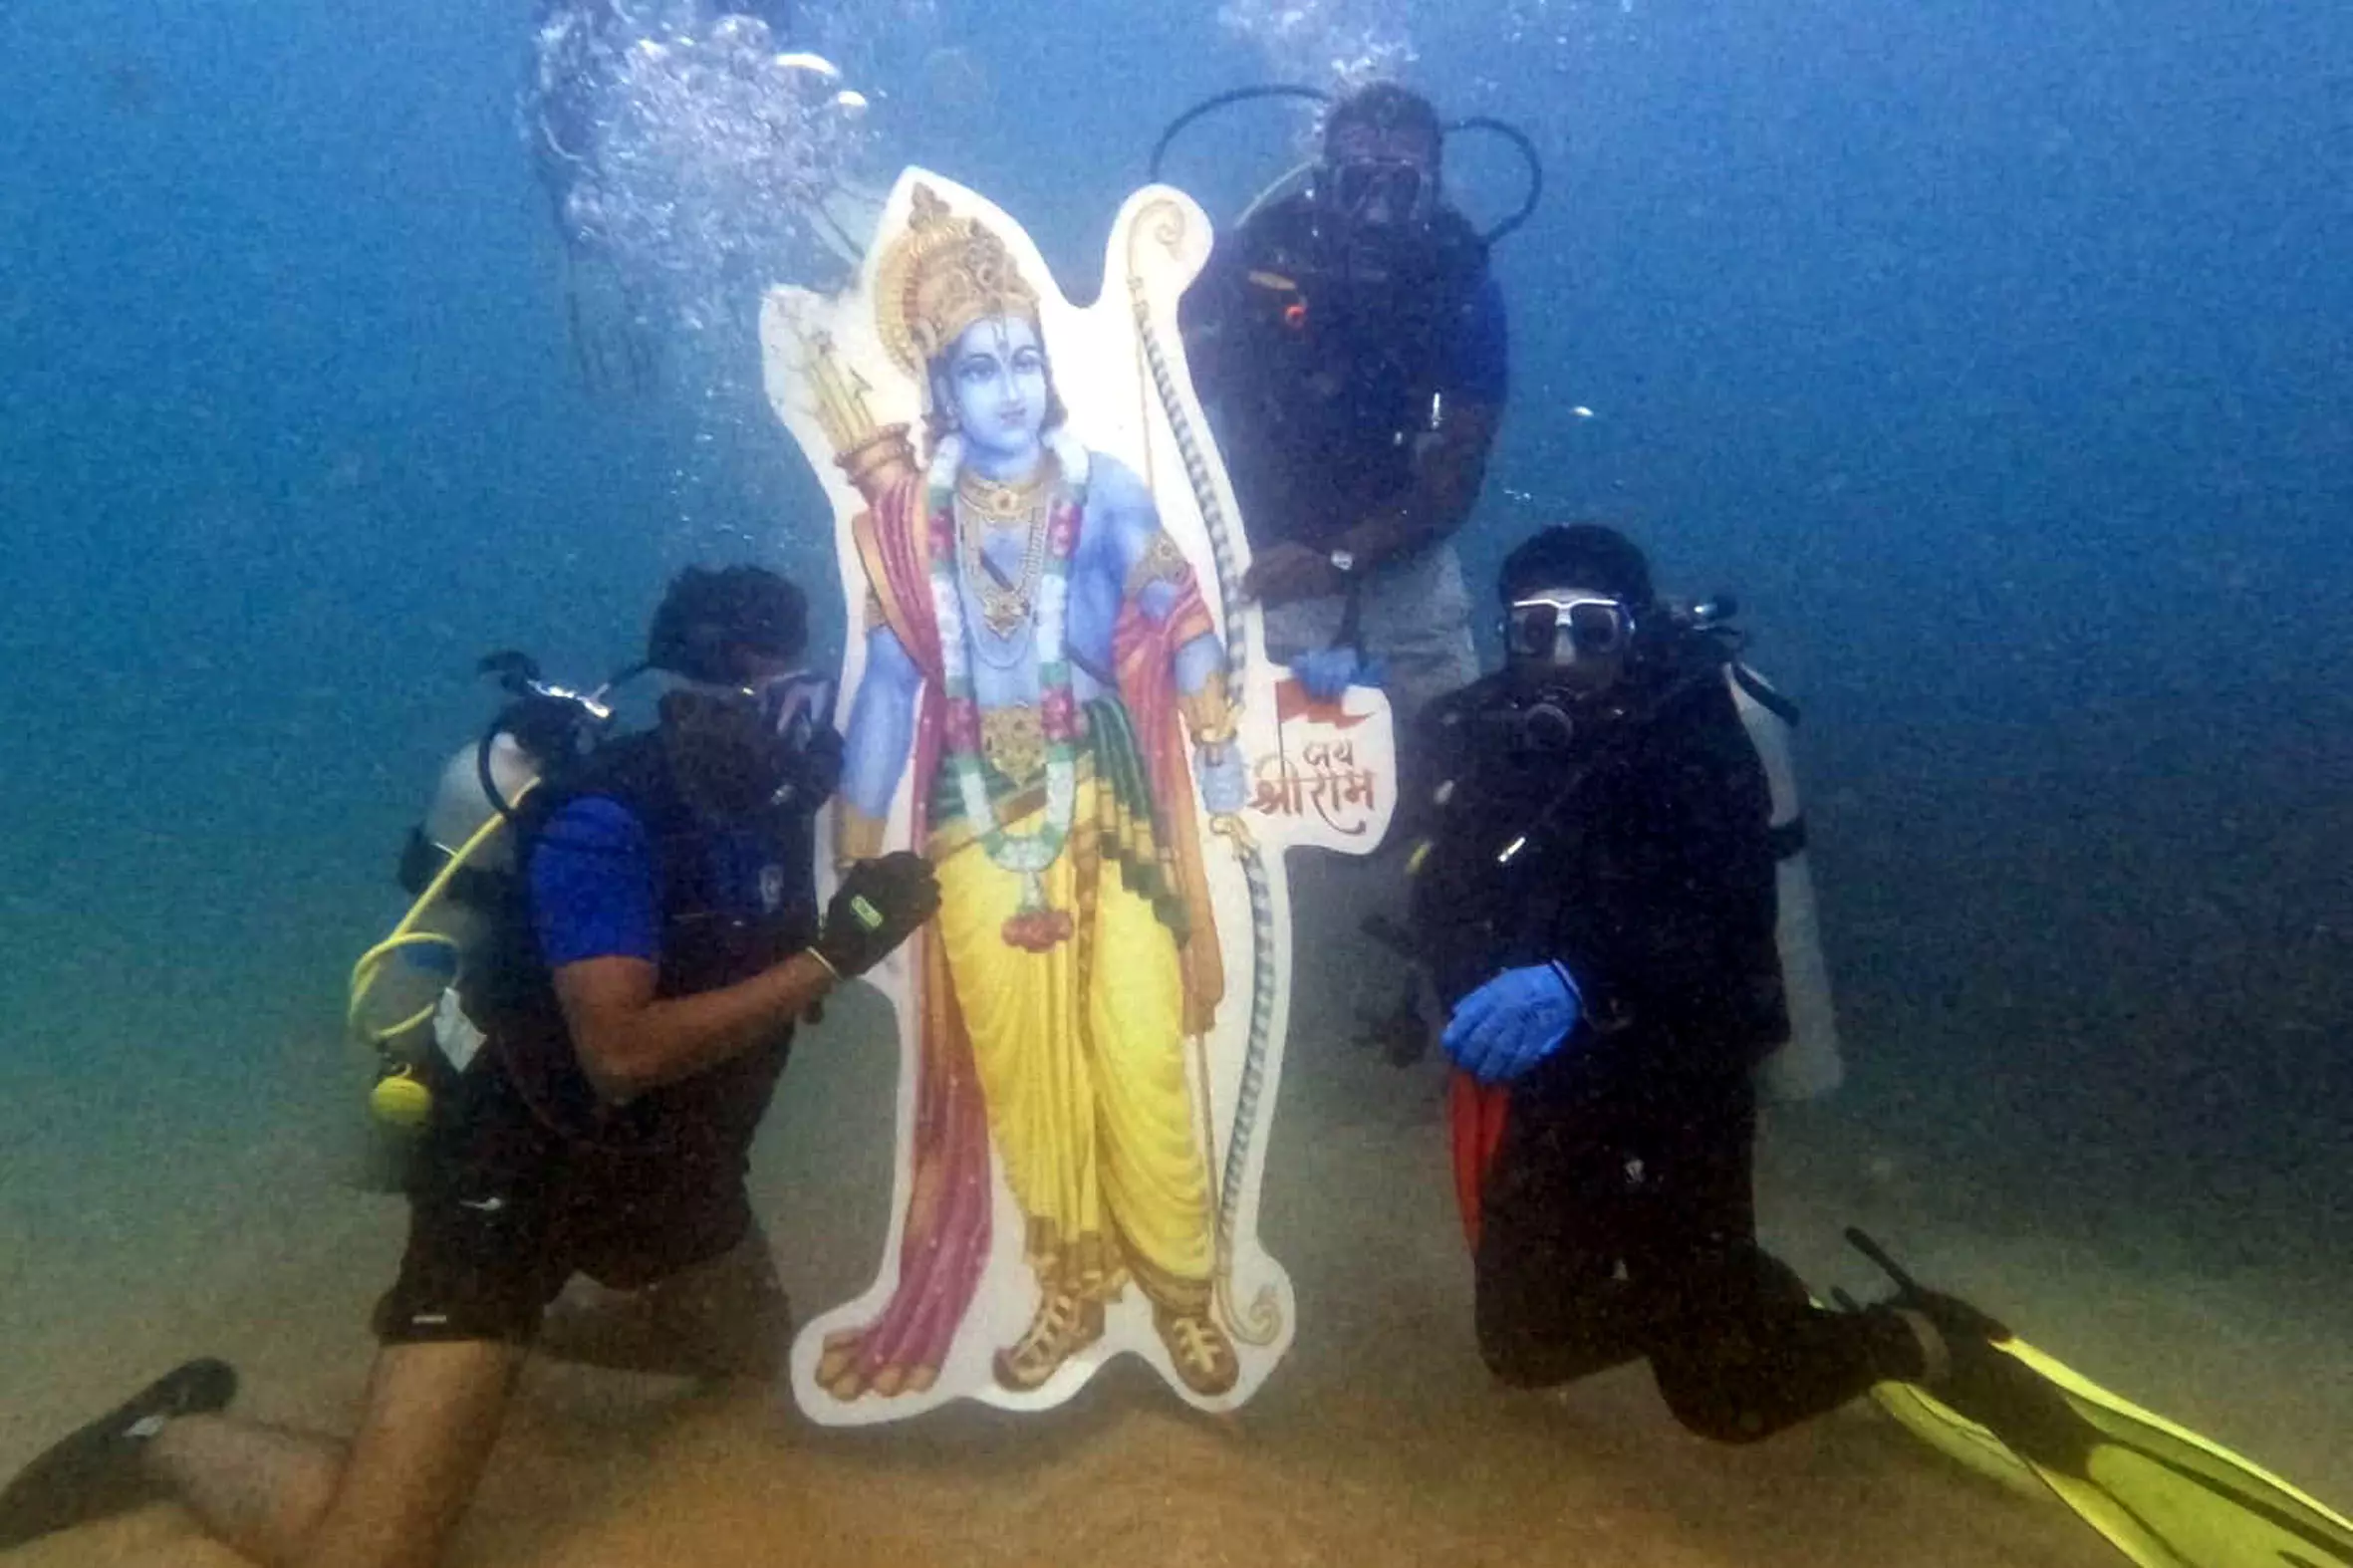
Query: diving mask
[(1379, 194), (1569, 628), (741, 748), (790, 706)]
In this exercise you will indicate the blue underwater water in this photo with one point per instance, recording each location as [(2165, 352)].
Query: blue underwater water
[(1994, 357)]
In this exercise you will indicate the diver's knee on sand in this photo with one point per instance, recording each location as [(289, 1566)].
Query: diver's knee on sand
[(727, 1317), (1536, 1331)]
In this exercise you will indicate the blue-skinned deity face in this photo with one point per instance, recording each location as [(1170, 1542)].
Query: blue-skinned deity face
[(994, 376)]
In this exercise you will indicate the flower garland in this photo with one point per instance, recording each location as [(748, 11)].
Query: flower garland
[(1036, 925)]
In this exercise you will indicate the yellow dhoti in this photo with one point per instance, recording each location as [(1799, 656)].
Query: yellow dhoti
[(1080, 1049)]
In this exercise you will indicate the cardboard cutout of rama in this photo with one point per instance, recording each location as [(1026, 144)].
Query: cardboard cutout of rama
[(1055, 693)]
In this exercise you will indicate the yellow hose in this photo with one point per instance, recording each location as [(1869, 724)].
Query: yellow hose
[(405, 935)]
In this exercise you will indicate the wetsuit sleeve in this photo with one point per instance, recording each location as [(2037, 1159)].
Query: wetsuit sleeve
[(1479, 367), (1455, 912), (592, 886), (1699, 955), (1453, 929)]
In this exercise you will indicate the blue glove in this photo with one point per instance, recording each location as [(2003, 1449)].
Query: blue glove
[(1225, 788), (1512, 1022), (1329, 672)]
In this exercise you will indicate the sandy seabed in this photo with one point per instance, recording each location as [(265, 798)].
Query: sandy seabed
[(154, 1236)]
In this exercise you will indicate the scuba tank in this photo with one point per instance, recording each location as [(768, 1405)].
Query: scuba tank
[(459, 865), (465, 835), (1807, 1065)]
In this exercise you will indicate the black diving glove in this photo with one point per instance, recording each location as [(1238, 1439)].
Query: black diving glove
[(877, 906)]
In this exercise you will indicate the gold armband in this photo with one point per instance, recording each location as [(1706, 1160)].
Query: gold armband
[(1161, 562), (1207, 712)]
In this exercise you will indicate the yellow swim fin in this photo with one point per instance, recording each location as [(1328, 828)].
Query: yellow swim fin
[(2160, 1493), (1956, 1436)]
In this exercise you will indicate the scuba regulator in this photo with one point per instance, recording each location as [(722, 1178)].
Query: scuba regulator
[(1595, 646)]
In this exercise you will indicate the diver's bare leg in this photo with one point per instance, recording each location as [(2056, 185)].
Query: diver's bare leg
[(388, 1499), (726, 1318)]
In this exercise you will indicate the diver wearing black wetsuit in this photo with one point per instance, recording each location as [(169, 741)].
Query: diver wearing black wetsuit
[(1350, 344), (1596, 899)]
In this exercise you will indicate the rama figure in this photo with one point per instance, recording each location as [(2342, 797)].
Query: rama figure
[(1038, 647)]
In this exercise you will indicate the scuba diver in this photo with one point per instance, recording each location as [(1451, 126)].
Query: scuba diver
[(1596, 895), (1348, 341), (640, 973), (1350, 345), (1597, 888)]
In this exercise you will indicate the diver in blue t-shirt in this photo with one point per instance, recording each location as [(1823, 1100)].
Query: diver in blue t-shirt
[(635, 998), (1349, 342), (1350, 345)]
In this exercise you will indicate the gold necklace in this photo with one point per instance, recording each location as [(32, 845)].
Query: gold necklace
[(1000, 502), (1005, 607)]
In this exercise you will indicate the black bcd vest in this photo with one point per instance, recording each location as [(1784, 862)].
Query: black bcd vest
[(703, 946), (1328, 376)]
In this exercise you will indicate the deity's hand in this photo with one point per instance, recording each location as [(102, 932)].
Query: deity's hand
[(1286, 572), (1225, 788)]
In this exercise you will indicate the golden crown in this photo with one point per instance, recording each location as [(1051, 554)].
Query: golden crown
[(942, 276)]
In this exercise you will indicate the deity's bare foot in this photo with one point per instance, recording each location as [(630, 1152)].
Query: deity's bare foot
[(839, 1372), (836, 1368), (899, 1378), (1064, 1325), (1201, 1351)]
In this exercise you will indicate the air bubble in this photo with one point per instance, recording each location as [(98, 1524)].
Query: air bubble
[(692, 151)]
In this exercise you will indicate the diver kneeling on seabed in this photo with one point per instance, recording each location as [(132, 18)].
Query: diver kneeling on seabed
[(1608, 891), (625, 986), (1596, 892)]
